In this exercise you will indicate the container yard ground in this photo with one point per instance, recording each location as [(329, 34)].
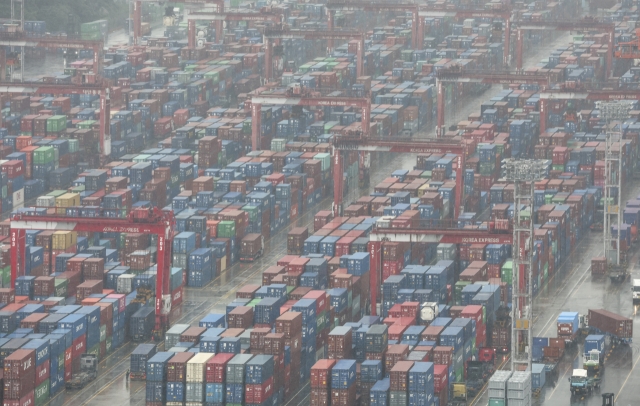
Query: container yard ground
[(110, 388)]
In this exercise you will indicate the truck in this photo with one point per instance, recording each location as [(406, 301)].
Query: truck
[(581, 384), (501, 331), (478, 373), (88, 372), (458, 394), (251, 247), (570, 327), (635, 289), (619, 328)]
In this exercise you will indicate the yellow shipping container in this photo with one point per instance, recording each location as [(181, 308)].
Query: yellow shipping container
[(422, 189), (67, 200), (61, 240)]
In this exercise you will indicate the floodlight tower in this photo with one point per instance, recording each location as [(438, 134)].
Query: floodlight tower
[(613, 112), (524, 174)]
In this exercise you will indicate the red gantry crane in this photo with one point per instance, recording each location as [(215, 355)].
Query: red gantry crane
[(229, 16), (457, 75), (461, 14), (100, 89), (137, 13), (629, 50), (417, 25), (587, 24), (592, 95), (271, 34), (434, 231), (20, 39), (147, 221)]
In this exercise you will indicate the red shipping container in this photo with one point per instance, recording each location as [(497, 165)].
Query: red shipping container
[(177, 367), (13, 169), (21, 364), (26, 400), (440, 377), (42, 372), (320, 296), (443, 355), (343, 397), (321, 373), (258, 393), (399, 375), (79, 346), (216, 367), (7, 295), (319, 396)]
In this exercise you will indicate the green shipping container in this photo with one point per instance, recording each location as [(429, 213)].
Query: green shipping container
[(86, 124), (6, 277), (253, 212), (103, 333), (61, 287), (507, 272), (74, 145), (226, 229), (95, 350), (109, 346), (41, 394), (56, 124), (497, 402), (44, 155)]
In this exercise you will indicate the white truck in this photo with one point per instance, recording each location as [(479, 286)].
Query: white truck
[(636, 291)]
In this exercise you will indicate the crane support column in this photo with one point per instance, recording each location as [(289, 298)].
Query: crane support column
[(507, 42), (256, 124), (440, 101), (3, 64), (375, 269), (519, 49), (360, 57), (420, 34), (543, 115), (105, 130), (330, 17), (137, 21), (191, 33), (268, 58), (609, 71), (18, 241), (338, 182)]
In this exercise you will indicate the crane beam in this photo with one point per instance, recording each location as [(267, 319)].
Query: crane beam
[(271, 34), (156, 222), (220, 17), (457, 75), (587, 24), (102, 90)]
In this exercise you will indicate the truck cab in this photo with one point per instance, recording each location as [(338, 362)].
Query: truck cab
[(635, 289), (581, 383)]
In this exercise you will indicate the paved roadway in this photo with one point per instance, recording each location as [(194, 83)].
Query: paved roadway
[(111, 387)]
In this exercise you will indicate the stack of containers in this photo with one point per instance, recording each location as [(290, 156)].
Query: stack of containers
[(176, 377), (321, 382), (20, 377), (235, 378), (216, 378), (343, 383), (156, 376), (139, 358), (498, 387), (196, 370), (519, 388), (259, 379)]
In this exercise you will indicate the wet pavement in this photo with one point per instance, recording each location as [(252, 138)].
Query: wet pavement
[(572, 289)]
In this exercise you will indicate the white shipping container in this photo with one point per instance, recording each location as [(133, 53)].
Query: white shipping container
[(125, 284), (196, 367), (46, 201), (18, 199)]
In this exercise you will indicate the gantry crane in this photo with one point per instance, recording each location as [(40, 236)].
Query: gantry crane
[(229, 16), (20, 39), (459, 14), (137, 13), (147, 221), (587, 24), (592, 95), (365, 144), (457, 75), (278, 33), (629, 50), (434, 231), (417, 25), (101, 89)]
